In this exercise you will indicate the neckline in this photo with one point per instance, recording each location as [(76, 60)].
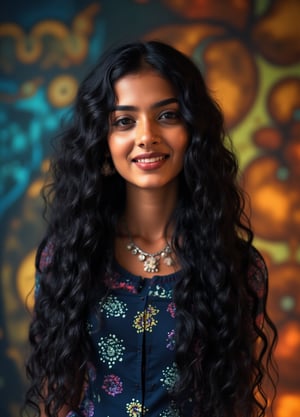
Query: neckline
[(168, 277)]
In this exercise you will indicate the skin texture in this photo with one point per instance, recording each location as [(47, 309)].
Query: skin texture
[(142, 126), (147, 124)]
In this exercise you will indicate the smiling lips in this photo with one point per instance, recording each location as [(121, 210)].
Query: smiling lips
[(150, 161)]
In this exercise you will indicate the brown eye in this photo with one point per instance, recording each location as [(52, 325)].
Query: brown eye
[(123, 122), (170, 116)]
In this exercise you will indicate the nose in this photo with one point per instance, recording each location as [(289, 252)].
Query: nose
[(146, 133)]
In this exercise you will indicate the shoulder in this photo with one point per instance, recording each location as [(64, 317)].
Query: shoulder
[(45, 255), (257, 272), (257, 266), (43, 263)]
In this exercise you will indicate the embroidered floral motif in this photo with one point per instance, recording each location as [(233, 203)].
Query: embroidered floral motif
[(171, 340), (169, 378), (87, 408), (170, 412), (114, 307), (172, 309), (145, 321), (114, 282), (46, 256), (135, 408), (161, 292), (111, 349), (112, 385)]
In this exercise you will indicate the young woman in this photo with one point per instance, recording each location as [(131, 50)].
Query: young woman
[(150, 298)]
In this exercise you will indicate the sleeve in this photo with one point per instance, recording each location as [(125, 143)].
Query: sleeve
[(44, 259), (258, 282)]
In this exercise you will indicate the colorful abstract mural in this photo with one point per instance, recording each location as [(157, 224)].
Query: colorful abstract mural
[(249, 52)]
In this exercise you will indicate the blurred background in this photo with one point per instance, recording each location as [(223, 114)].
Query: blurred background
[(249, 53)]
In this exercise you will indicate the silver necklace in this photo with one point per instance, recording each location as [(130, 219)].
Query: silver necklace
[(151, 260)]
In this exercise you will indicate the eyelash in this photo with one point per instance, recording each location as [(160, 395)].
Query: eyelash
[(126, 122), (120, 122), (174, 114)]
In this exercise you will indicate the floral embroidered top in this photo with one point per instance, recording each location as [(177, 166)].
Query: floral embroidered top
[(133, 368)]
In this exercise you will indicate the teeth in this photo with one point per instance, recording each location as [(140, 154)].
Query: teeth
[(147, 160)]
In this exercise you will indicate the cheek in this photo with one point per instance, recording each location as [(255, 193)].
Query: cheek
[(116, 147), (182, 144), (119, 151)]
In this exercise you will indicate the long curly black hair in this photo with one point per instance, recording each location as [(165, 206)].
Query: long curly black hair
[(223, 353)]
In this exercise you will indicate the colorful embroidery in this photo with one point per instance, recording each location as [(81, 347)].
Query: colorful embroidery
[(112, 385), (170, 412), (145, 321), (160, 292), (46, 256), (111, 349), (113, 282), (172, 309), (171, 340), (135, 408), (170, 375), (113, 307), (106, 389), (87, 408)]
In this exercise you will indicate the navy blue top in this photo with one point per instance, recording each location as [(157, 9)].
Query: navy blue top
[(133, 366), (132, 369)]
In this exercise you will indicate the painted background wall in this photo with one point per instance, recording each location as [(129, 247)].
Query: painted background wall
[(249, 52)]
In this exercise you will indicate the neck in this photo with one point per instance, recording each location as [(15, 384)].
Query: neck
[(148, 212), (145, 231)]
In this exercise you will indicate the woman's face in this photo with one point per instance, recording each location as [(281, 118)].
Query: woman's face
[(148, 137)]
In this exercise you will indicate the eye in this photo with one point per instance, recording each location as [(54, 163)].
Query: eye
[(170, 116), (123, 123)]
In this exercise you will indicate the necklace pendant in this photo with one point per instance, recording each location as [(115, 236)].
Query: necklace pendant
[(168, 261), (151, 261), (166, 255), (151, 264)]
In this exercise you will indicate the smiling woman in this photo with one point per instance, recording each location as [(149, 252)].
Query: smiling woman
[(150, 298), (148, 136)]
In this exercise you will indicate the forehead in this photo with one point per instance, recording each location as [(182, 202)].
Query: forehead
[(143, 88)]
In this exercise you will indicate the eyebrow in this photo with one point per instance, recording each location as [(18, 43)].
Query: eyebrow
[(153, 106)]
